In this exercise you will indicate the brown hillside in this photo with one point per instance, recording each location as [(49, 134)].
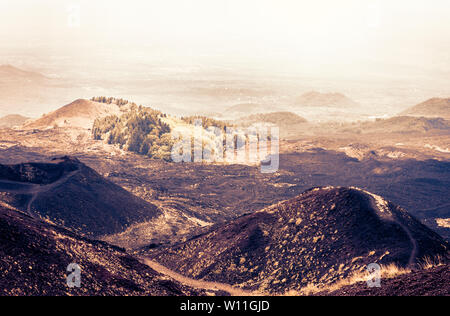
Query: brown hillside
[(435, 107), (34, 256), (320, 237), (79, 114), (71, 194)]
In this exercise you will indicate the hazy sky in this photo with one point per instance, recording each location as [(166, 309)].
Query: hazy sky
[(307, 35)]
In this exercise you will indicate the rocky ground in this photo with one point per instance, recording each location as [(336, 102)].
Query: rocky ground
[(34, 256), (320, 237), (223, 192), (69, 193), (427, 282)]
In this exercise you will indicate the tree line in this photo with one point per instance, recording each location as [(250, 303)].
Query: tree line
[(138, 130)]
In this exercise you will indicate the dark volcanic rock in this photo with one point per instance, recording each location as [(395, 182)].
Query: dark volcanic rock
[(38, 173), (320, 237), (34, 256), (69, 193)]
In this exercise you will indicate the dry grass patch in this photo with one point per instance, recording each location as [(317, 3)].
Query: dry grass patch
[(387, 272)]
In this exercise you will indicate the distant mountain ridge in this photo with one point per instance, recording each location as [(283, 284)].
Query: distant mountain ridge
[(12, 120), (244, 109), (406, 124), (320, 237), (25, 92), (435, 107), (11, 73), (276, 118), (317, 99)]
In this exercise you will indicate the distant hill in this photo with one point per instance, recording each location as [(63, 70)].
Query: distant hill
[(11, 73), (13, 120), (434, 107), (406, 124), (244, 109), (79, 114), (34, 256), (27, 92), (317, 99), (276, 118), (71, 194), (319, 237)]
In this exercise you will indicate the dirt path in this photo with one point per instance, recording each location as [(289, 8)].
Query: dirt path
[(413, 255), (198, 284), (32, 189)]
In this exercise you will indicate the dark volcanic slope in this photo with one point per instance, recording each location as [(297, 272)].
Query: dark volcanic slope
[(319, 237), (70, 193), (34, 257), (431, 282)]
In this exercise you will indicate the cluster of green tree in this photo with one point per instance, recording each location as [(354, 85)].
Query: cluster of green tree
[(139, 130), (206, 122), (110, 100)]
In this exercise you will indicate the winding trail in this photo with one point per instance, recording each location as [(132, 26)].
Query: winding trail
[(33, 190), (412, 257), (198, 284), (382, 209)]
